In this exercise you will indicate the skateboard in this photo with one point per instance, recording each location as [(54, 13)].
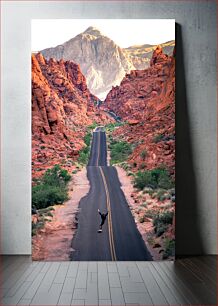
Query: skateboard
[(99, 231)]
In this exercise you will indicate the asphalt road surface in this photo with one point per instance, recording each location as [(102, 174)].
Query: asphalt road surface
[(120, 238)]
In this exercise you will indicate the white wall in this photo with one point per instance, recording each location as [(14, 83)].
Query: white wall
[(196, 113)]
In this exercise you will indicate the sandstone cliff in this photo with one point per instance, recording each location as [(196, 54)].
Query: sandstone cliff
[(102, 61), (62, 106), (146, 100)]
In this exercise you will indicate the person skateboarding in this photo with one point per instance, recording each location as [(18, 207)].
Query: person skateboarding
[(103, 218)]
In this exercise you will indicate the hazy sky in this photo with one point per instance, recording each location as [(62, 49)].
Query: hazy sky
[(124, 32)]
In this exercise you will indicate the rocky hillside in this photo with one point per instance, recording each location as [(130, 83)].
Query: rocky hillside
[(62, 106), (102, 61), (146, 100), (140, 54)]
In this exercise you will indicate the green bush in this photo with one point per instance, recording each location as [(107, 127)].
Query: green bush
[(52, 189), (161, 222), (87, 139), (156, 178), (92, 126), (149, 214), (84, 153), (158, 138), (125, 166), (56, 177), (142, 166), (110, 127), (83, 157), (143, 154), (161, 229), (160, 194), (142, 219), (46, 195), (119, 151), (37, 226), (169, 248)]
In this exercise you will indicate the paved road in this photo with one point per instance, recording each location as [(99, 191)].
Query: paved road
[(120, 239)]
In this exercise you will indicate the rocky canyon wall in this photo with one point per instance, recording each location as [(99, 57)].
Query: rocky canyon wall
[(62, 107), (145, 99)]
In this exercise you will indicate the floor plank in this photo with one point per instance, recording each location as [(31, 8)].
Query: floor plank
[(187, 281)]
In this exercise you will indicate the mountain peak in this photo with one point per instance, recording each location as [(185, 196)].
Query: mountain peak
[(92, 31)]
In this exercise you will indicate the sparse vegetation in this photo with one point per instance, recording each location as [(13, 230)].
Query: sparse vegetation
[(120, 150), (156, 178), (142, 166), (158, 138), (161, 222), (110, 127), (52, 188), (37, 226), (125, 166), (84, 153), (92, 126), (161, 195), (149, 214), (169, 248), (143, 154)]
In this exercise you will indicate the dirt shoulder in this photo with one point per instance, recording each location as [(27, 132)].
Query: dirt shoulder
[(53, 242)]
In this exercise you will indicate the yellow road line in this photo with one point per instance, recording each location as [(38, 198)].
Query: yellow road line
[(110, 225)]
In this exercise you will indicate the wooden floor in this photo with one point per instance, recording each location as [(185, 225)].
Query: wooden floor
[(188, 281)]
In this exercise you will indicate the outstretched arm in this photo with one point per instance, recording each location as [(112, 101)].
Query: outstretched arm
[(99, 211)]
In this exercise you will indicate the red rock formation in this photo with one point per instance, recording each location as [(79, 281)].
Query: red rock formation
[(62, 106), (146, 100)]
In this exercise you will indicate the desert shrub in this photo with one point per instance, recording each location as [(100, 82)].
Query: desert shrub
[(169, 248), (49, 214), (56, 177), (142, 219), (158, 138), (110, 127), (84, 153), (46, 195), (129, 173), (119, 151), (52, 188), (151, 241), (143, 154), (142, 166), (149, 214), (161, 229), (161, 222), (160, 194), (37, 226), (144, 179), (92, 126), (155, 178), (87, 139), (125, 166), (83, 157)]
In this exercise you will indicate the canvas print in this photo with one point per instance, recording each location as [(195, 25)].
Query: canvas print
[(103, 139)]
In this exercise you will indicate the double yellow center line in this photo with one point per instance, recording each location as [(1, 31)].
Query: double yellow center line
[(110, 226)]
